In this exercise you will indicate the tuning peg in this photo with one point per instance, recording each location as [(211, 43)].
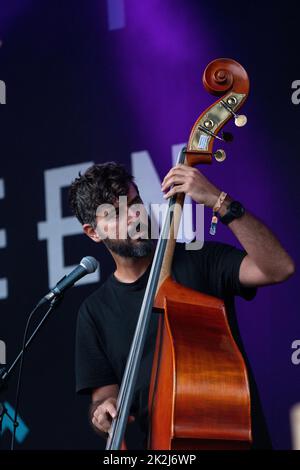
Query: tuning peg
[(220, 155), (240, 120), (227, 136)]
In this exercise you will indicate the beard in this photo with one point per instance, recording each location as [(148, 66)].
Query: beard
[(139, 248)]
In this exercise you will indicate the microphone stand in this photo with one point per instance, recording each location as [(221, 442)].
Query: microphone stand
[(5, 373), (87, 265)]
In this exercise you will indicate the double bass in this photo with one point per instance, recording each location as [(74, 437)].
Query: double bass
[(199, 392)]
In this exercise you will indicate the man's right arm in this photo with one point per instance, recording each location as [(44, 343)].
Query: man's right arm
[(103, 408)]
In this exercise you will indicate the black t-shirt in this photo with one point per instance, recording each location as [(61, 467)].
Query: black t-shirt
[(107, 320)]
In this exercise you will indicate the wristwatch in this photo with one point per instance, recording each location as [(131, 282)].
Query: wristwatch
[(235, 210)]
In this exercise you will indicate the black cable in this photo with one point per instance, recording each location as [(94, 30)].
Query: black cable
[(21, 370)]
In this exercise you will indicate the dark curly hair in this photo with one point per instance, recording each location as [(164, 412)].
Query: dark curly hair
[(102, 183)]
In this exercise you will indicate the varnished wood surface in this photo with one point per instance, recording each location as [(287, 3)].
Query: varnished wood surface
[(199, 387)]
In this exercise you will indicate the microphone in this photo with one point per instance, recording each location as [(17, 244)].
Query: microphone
[(87, 265)]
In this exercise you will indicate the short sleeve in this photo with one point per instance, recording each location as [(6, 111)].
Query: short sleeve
[(222, 266), (92, 367)]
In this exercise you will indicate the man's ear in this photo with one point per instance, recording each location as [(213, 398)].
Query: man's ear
[(91, 232)]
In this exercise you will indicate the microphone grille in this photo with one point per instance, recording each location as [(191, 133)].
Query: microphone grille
[(89, 263)]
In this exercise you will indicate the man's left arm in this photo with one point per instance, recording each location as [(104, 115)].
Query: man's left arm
[(266, 262)]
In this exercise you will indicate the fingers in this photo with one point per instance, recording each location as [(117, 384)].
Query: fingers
[(103, 416), (178, 175), (181, 169), (180, 188), (173, 172), (111, 409), (101, 423), (174, 179)]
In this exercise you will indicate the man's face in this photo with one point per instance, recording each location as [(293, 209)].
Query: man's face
[(124, 227)]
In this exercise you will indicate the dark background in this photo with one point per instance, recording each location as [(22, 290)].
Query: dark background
[(85, 85)]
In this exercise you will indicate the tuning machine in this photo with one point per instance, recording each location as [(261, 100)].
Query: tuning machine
[(208, 124), (227, 136), (240, 120), (220, 155)]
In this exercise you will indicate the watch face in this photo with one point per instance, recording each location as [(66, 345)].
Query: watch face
[(236, 209)]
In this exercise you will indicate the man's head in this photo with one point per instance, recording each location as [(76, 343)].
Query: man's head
[(95, 200)]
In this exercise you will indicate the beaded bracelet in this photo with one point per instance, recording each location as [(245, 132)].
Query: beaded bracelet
[(216, 208)]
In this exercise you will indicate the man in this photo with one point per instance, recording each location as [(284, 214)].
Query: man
[(107, 319)]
